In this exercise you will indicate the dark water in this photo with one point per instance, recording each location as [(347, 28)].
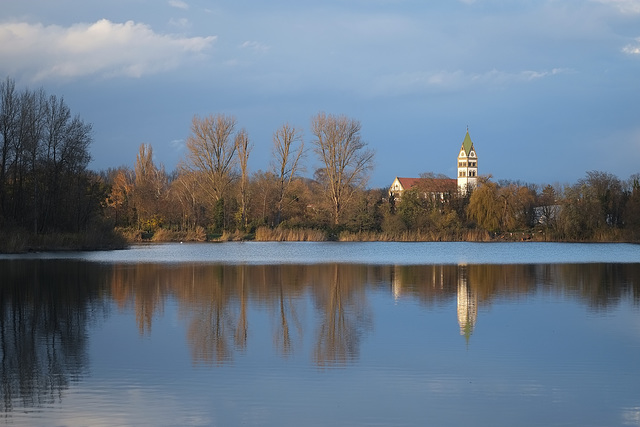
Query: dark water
[(225, 335)]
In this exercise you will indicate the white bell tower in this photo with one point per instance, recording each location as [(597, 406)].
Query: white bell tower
[(467, 166)]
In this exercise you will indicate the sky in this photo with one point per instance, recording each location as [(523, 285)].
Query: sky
[(548, 89)]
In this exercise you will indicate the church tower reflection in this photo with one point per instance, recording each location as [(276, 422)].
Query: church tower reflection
[(467, 304)]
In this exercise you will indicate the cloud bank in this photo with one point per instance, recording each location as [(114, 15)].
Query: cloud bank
[(103, 48)]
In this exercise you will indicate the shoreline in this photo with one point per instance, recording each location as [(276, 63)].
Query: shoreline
[(22, 242)]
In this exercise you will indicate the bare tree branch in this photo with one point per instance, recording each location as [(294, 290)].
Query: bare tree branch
[(345, 157), (286, 158)]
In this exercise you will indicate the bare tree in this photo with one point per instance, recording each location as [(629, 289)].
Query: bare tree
[(244, 148), (9, 113), (33, 112), (187, 190), (344, 155), (286, 158), (212, 151), (263, 200), (44, 153)]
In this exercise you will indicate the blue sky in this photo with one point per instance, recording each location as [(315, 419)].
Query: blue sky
[(549, 89)]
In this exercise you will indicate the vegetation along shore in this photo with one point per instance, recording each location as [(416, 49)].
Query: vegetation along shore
[(51, 200)]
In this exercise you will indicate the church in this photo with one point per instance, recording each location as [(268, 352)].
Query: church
[(467, 166), (466, 181)]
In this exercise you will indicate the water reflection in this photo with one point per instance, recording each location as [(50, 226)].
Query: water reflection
[(214, 301), (47, 306), (45, 310), (339, 295), (467, 304)]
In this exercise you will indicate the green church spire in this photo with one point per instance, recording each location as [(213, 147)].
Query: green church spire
[(467, 144)]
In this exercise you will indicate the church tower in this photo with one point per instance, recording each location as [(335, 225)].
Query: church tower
[(467, 166)]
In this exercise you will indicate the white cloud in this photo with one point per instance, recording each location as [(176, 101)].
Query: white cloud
[(177, 144), (180, 23), (632, 48), (535, 75), (103, 48), (255, 46), (457, 80), (631, 416), (179, 4), (624, 6)]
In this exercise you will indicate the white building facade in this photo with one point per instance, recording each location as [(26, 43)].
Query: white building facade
[(467, 166)]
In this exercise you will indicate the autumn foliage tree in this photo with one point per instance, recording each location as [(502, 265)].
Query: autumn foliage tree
[(150, 189), (501, 208)]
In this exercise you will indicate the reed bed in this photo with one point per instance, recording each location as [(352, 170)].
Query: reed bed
[(266, 234), (415, 236)]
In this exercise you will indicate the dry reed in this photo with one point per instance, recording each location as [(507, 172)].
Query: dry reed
[(266, 234)]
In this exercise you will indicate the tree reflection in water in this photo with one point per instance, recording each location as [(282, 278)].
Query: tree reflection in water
[(46, 307), (340, 298), (45, 310), (216, 299)]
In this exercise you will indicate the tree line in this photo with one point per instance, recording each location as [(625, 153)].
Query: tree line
[(212, 192), (46, 187)]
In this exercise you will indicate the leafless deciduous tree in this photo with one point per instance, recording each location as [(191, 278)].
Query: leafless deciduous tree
[(288, 148), (186, 190), (44, 153), (345, 158), (212, 151), (244, 148)]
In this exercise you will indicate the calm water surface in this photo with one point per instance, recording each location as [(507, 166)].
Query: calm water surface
[(322, 334)]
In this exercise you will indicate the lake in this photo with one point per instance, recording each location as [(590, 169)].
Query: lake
[(315, 334)]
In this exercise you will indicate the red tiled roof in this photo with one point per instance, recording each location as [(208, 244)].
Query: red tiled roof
[(432, 184), (407, 183)]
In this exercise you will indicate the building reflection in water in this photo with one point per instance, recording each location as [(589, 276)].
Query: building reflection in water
[(467, 304), (437, 283)]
